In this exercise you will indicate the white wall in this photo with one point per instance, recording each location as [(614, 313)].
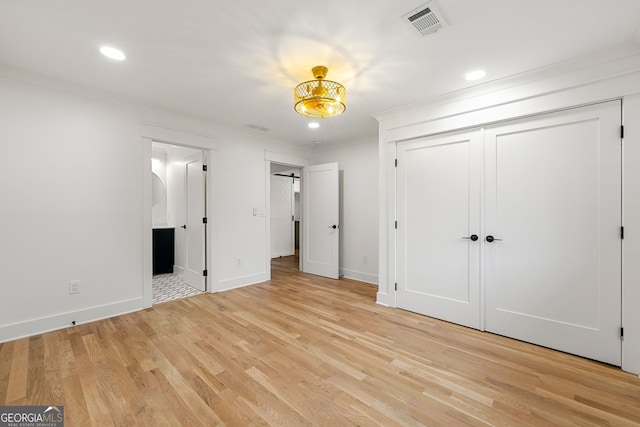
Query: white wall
[(71, 188), (558, 89), (159, 167), (358, 165), (72, 184)]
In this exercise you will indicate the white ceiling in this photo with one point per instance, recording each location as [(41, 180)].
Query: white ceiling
[(236, 62)]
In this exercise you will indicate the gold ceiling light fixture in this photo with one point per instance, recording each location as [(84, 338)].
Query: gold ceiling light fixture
[(320, 98)]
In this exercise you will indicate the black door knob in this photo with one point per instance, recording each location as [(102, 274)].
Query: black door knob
[(184, 226), (473, 237), (489, 238), (334, 226)]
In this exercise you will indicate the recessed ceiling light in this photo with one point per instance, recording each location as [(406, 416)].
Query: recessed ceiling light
[(113, 53), (314, 125), (475, 75)]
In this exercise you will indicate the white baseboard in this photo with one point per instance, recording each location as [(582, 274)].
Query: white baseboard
[(383, 299), (282, 254), (178, 270), (360, 276), (64, 320), (239, 282)]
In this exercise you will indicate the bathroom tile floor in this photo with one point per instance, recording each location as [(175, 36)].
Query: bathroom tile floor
[(171, 286)]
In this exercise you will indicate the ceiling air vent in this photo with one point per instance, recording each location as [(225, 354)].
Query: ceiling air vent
[(426, 19), (257, 127)]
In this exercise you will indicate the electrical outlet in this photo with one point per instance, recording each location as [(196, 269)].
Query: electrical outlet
[(74, 287), (238, 262), (365, 259)]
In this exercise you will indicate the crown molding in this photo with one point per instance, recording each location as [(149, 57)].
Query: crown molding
[(574, 72)]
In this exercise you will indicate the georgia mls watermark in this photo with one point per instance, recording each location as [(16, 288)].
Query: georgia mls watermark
[(31, 416)]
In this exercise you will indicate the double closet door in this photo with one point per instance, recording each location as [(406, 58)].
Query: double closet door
[(515, 229)]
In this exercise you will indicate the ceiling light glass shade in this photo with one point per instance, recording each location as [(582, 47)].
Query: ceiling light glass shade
[(320, 98)]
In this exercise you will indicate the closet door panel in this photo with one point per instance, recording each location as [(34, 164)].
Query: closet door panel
[(553, 206), (438, 181)]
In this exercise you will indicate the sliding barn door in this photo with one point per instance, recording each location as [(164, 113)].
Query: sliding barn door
[(438, 182), (552, 243)]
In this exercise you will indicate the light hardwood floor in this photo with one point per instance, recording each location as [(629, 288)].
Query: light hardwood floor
[(303, 350)]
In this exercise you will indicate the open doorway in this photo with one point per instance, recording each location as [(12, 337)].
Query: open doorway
[(284, 221), (319, 230), (178, 214)]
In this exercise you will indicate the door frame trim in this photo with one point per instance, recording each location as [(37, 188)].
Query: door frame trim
[(150, 133)]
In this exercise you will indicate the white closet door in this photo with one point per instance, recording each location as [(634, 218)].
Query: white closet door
[(438, 182), (553, 197)]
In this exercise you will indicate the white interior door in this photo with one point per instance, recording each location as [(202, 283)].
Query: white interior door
[(320, 215), (553, 198), (438, 184), (282, 216), (195, 232)]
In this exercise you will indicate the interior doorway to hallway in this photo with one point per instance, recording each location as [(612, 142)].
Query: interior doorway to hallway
[(284, 208), (319, 237)]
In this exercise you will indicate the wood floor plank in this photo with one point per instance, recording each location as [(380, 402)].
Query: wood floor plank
[(17, 386), (305, 350), (172, 402), (36, 385), (52, 391), (76, 411), (6, 354)]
